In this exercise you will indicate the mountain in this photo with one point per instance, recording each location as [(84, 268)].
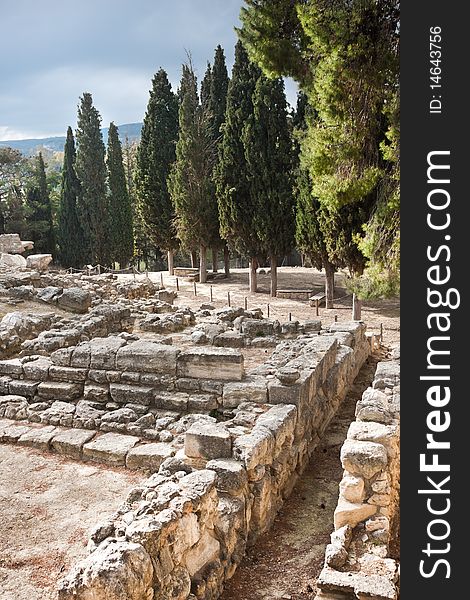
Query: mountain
[(131, 131)]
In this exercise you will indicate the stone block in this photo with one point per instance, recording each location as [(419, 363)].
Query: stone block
[(148, 456), (62, 357), (202, 402), (207, 441), (351, 488), (39, 438), (37, 370), (12, 366), (23, 387), (363, 458), (177, 401), (57, 373), (110, 448), (12, 433), (349, 513), (368, 431), (74, 299), (255, 448), (230, 339), (57, 390), (231, 474), (211, 363), (204, 552), (387, 374), (70, 442), (146, 356), (124, 393), (250, 390)]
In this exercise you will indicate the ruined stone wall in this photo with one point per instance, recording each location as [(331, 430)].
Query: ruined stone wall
[(183, 532), (357, 561)]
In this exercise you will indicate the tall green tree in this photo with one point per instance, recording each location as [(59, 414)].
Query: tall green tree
[(14, 170), (155, 155), (236, 211), (270, 160), (91, 171), (40, 227), (69, 230), (344, 54), (190, 181), (121, 239)]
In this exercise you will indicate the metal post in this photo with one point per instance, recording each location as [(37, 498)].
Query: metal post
[(161, 279), (228, 298), (195, 290), (246, 303), (381, 332), (336, 318), (177, 284), (290, 316), (211, 293), (317, 312), (268, 311)]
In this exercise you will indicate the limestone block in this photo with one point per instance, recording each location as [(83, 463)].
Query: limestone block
[(38, 262), (58, 390), (11, 243), (12, 433), (387, 374), (250, 390), (57, 373), (351, 488), (230, 339), (202, 402), (368, 431), (363, 458), (121, 415), (62, 357), (378, 582), (23, 387), (199, 482), (14, 261), (116, 570), (208, 441), (284, 394), (374, 406), (188, 533), (211, 363), (70, 442), (145, 356), (348, 513), (39, 438), (175, 401), (74, 299), (257, 328), (148, 456), (96, 392), (110, 448), (280, 421), (255, 448), (231, 475), (12, 366), (204, 552), (122, 393), (86, 411)]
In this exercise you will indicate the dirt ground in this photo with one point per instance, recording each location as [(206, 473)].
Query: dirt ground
[(48, 506), (374, 313), (286, 561)]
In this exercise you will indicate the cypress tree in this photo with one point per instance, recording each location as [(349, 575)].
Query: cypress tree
[(236, 211), (91, 171), (69, 231), (190, 180), (269, 154), (155, 155), (121, 240), (206, 84), (39, 211)]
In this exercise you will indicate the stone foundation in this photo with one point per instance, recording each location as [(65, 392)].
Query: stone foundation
[(184, 530), (357, 561)]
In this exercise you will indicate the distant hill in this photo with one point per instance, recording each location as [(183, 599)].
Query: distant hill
[(56, 144)]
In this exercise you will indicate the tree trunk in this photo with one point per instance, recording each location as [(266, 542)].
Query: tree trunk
[(329, 284), (215, 256), (193, 259), (273, 276), (356, 308), (253, 275), (171, 263), (226, 261), (203, 264)]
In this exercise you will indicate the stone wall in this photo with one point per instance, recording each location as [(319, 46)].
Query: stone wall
[(183, 532), (357, 561)]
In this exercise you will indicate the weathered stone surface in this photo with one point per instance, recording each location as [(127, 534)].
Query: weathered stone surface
[(70, 442), (38, 438), (11, 243), (363, 458), (22, 387), (116, 570), (387, 374), (122, 393), (148, 357), (67, 374), (58, 390), (205, 440), (96, 392), (348, 513), (363, 585), (38, 262), (14, 261), (254, 448), (374, 406), (36, 370), (13, 366), (12, 433), (63, 356), (250, 390), (211, 363), (352, 489), (231, 475), (85, 411), (257, 328), (74, 299), (230, 339), (110, 448), (148, 456), (368, 431), (204, 552), (202, 402)]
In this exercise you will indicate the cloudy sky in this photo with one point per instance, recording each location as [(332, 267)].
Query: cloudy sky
[(54, 50)]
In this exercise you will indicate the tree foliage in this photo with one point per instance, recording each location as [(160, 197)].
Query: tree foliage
[(69, 231), (121, 242), (40, 228), (155, 155), (91, 171)]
